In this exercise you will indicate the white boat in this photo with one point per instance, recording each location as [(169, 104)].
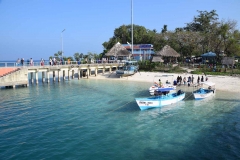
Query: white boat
[(203, 93), (160, 100), (129, 68), (156, 85)]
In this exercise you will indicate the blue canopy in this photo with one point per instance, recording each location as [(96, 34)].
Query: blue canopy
[(164, 89), (209, 54)]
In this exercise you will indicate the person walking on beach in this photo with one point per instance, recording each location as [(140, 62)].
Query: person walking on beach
[(202, 79), (189, 81), (178, 80), (184, 81), (198, 80)]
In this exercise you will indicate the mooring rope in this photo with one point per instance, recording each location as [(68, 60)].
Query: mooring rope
[(119, 107), (188, 96), (110, 74)]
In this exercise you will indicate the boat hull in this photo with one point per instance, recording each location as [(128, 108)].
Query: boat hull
[(203, 93), (153, 88), (159, 101), (130, 68), (124, 73)]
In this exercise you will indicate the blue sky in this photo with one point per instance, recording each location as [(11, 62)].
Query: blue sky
[(32, 28)]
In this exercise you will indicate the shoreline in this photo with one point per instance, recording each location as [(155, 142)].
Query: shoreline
[(222, 83)]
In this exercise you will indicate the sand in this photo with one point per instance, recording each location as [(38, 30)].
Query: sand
[(223, 83)]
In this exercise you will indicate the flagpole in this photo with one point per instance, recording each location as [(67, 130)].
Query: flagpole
[(132, 23)]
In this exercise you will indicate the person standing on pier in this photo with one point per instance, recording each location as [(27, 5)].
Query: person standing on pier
[(31, 62), (50, 61), (18, 62), (42, 62), (22, 61)]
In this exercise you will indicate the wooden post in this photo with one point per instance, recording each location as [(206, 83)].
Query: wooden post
[(54, 76), (43, 76), (36, 73), (96, 70), (32, 77), (87, 73), (78, 73), (72, 74), (103, 70), (69, 75), (64, 75), (59, 76), (48, 79)]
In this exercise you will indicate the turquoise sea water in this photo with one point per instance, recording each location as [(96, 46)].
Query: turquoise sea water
[(99, 119)]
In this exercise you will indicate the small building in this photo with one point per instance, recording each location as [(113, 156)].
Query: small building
[(140, 51), (228, 61)]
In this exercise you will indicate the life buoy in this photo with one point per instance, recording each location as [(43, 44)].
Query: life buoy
[(72, 66)]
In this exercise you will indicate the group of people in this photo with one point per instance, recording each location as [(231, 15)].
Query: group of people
[(20, 61), (29, 62), (55, 62), (188, 80)]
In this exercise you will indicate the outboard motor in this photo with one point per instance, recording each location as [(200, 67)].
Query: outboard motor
[(157, 93), (179, 92)]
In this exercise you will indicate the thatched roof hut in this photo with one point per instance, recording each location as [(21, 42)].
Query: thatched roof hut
[(118, 51), (157, 59), (167, 51)]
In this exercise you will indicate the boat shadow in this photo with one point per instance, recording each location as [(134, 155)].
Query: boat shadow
[(227, 100)]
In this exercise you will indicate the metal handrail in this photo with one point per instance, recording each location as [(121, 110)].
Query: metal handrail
[(46, 63)]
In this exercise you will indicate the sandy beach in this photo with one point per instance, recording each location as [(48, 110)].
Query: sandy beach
[(223, 83)]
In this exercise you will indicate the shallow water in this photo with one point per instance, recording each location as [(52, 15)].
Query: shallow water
[(99, 119)]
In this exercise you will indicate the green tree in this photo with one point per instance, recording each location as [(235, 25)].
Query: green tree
[(76, 56), (164, 29), (141, 35), (58, 55)]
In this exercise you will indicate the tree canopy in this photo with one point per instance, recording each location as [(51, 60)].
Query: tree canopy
[(205, 33)]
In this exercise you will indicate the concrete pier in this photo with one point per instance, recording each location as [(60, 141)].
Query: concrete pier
[(21, 77)]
